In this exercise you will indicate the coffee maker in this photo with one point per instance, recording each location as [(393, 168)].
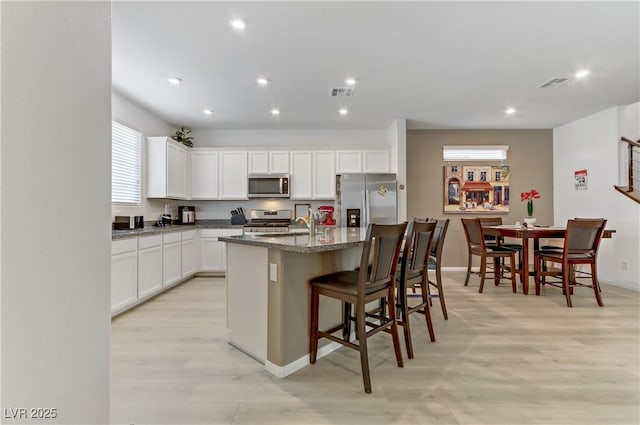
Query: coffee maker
[(326, 215), (186, 214)]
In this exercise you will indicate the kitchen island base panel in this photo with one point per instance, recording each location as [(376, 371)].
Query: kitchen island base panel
[(269, 319), (247, 292)]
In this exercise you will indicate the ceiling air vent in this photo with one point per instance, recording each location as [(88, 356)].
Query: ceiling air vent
[(554, 82), (342, 92)]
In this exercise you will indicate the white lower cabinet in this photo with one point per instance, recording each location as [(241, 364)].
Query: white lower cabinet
[(149, 265), (213, 252), (171, 258), (190, 253), (124, 274)]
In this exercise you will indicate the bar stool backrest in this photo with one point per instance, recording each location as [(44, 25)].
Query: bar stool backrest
[(417, 247), (382, 246)]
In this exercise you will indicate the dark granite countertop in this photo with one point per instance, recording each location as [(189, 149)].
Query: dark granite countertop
[(151, 230), (330, 240)]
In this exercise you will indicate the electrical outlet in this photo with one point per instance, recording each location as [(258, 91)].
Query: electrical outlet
[(625, 265)]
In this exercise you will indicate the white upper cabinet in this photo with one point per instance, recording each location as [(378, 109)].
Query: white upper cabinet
[(279, 162), (300, 185), (166, 168), (376, 161), (233, 175), (324, 175), (268, 162), (348, 162), (258, 162), (204, 174)]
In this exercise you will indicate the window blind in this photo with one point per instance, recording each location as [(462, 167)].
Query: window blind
[(474, 153), (126, 146)]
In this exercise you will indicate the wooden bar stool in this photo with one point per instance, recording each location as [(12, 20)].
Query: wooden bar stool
[(414, 272), (375, 280)]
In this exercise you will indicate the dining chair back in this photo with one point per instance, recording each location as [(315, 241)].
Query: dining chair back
[(414, 272), (374, 280), (581, 244)]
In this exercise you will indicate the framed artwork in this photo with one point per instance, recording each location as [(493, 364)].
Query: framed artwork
[(476, 189), (301, 210)]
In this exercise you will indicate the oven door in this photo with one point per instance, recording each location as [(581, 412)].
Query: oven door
[(268, 186)]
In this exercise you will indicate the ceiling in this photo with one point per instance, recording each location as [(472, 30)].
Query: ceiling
[(437, 64)]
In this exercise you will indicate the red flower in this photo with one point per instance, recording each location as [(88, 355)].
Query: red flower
[(528, 196)]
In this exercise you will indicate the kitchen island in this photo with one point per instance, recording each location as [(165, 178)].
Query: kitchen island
[(268, 293)]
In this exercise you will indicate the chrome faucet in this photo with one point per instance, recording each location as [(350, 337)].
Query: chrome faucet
[(310, 223)]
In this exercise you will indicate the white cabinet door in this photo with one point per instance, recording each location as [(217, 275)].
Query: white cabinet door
[(324, 175), (176, 171), (171, 263), (348, 162), (213, 252), (233, 175), (149, 270), (376, 161), (166, 168), (204, 174), (124, 274), (301, 175), (258, 162), (190, 253), (279, 162)]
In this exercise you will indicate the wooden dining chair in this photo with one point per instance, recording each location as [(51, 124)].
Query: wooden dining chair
[(374, 280), (476, 245), (499, 240), (414, 272), (581, 243)]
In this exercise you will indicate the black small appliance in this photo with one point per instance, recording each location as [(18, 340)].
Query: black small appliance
[(186, 214)]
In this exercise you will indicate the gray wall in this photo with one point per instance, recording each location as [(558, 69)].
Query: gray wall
[(530, 157), (55, 236)]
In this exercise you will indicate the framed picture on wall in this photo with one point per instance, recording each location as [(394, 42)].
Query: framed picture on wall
[(476, 189)]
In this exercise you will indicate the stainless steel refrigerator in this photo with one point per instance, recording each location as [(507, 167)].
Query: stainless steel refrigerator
[(366, 198)]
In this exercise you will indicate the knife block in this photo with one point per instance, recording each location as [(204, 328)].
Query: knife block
[(238, 219)]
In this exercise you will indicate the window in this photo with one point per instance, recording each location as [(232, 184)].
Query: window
[(474, 153), (470, 176), (483, 176), (125, 164)]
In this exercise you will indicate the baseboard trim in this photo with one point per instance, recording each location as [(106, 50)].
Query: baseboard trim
[(286, 370)]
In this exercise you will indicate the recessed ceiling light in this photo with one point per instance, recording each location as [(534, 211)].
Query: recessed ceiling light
[(174, 80), (582, 73), (510, 111), (350, 81), (343, 111), (275, 112), (238, 24), (207, 111), (262, 81)]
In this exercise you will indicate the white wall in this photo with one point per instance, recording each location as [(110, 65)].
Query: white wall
[(292, 139), (134, 116), (592, 143), (56, 184), (397, 140)]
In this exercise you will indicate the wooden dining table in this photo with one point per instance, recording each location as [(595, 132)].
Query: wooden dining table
[(526, 233)]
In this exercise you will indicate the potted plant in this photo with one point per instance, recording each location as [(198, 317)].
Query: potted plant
[(183, 137)]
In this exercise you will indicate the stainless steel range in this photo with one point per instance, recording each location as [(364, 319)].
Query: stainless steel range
[(268, 221)]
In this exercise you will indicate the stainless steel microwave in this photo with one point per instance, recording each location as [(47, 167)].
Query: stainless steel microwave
[(269, 186)]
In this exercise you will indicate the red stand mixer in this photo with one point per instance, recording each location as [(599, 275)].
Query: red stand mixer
[(326, 215)]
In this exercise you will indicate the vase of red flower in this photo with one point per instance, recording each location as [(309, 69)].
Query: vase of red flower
[(529, 197)]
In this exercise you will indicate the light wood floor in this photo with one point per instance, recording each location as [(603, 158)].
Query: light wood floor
[(501, 358)]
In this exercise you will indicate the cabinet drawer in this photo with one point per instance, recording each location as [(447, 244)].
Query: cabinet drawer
[(189, 234), (149, 241), (171, 237), (124, 245), (214, 233)]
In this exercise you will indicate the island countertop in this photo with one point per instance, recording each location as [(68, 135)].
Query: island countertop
[(329, 239)]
